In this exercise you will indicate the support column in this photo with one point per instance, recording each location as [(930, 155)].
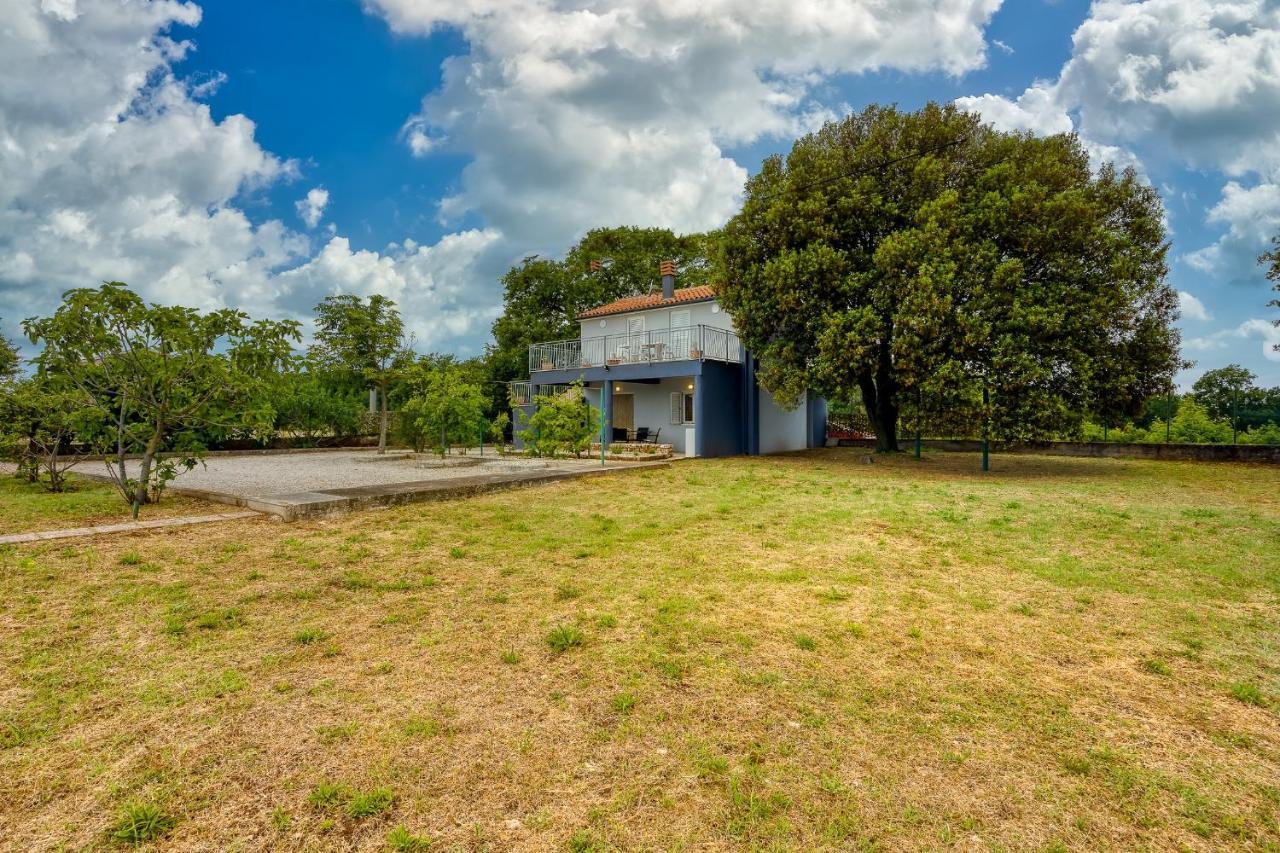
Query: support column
[(699, 418), (606, 410), (751, 404)]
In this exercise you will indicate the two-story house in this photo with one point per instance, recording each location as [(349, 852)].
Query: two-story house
[(669, 364)]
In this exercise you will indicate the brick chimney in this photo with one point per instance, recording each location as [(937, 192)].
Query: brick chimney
[(668, 270)]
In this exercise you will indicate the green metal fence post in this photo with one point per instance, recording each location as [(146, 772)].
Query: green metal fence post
[(1235, 415), (919, 403), (986, 429)]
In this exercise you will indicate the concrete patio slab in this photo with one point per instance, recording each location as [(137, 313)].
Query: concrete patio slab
[(311, 485)]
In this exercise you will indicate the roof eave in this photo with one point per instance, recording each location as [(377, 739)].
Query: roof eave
[(595, 313)]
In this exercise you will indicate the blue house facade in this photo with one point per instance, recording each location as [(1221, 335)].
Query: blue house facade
[(670, 365)]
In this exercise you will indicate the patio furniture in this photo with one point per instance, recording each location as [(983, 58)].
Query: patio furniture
[(619, 433), (643, 436)]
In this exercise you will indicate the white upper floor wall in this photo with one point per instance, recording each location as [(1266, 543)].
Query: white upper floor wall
[(707, 313)]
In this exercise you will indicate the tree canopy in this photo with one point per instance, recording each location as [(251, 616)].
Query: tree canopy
[(918, 259), (154, 372), (1272, 260), (9, 360), (1229, 394), (445, 407), (365, 336)]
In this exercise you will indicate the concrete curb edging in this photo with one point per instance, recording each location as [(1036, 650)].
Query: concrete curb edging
[(124, 527)]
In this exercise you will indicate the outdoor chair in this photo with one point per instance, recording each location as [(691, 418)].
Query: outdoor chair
[(619, 433), (642, 434)]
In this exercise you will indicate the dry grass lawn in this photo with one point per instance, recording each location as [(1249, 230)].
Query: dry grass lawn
[(798, 653), (27, 507)]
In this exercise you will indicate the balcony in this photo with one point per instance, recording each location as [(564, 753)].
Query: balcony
[(691, 343)]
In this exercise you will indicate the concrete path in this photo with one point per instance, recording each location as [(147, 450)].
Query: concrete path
[(125, 527)]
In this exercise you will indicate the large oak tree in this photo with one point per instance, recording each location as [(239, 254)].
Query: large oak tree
[(918, 259)]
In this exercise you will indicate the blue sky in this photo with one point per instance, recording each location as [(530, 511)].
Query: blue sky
[(175, 145)]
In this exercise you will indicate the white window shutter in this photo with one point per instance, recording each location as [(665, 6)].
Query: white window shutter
[(635, 325), (677, 408), (680, 319)]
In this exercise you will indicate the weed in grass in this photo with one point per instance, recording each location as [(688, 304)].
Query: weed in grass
[(227, 682), (498, 598), (231, 617), (915, 633), (584, 841), (855, 630), (402, 840), (175, 625), (457, 553), (1024, 609), (308, 636), (1077, 764), (354, 581), (130, 558), (332, 734), (563, 638), (326, 795), (281, 820), (804, 641), (1155, 666), (606, 621), (623, 703), (331, 650), (141, 822), (421, 727), (567, 592), (1248, 693), (511, 656), (832, 596), (670, 668), (365, 804), (832, 785)]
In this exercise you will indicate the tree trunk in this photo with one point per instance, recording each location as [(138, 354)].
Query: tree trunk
[(382, 421), (140, 494), (124, 474), (881, 408)]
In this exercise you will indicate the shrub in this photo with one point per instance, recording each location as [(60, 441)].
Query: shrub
[(563, 423)]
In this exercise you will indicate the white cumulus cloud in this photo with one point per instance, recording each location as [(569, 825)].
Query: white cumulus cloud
[(577, 115), (311, 208), (1191, 307), (112, 168), (1195, 80)]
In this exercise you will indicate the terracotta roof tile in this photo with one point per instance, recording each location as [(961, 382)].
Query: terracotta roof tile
[(701, 293)]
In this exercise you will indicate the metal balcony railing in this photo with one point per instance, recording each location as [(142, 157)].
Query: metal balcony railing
[(689, 343), (521, 393)]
